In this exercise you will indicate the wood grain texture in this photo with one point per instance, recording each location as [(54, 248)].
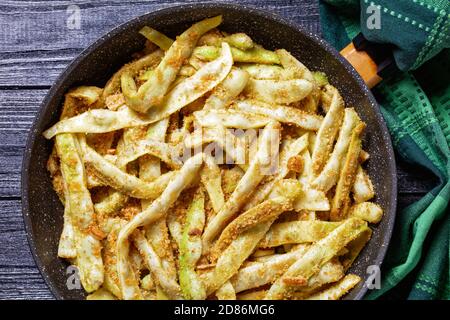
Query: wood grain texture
[(35, 46), (19, 276)]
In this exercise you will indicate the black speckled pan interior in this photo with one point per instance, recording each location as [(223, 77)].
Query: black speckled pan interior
[(43, 212)]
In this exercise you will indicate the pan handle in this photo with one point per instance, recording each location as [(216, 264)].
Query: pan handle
[(373, 61)]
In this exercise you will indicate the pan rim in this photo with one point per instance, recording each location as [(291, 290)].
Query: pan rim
[(244, 9)]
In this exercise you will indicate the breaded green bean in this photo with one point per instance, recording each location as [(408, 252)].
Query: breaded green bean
[(267, 72), (191, 249), (157, 210), (246, 186), (330, 173), (165, 281), (240, 40), (297, 232), (148, 61), (237, 40), (187, 91), (113, 202), (152, 92), (337, 290), (230, 88), (226, 292), (158, 38), (241, 248), (268, 210), (101, 294), (317, 255), (124, 182), (78, 199), (320, 78), (278, 91), (149, 170), (284, 114), (212, 181), (255, 55)]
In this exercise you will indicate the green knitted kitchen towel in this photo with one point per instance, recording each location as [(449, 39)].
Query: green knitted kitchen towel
[(416, 107)]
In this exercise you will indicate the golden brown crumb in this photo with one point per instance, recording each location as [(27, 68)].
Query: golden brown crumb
[(100, 142), (230, 179), (115, 101), (96, 232), (58, 185), (295, 164), (263, 212), (205, 266), (208, 208), (132, 208), (295, 281), (53, 165)]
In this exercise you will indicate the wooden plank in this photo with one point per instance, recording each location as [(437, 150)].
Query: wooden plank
[(18, 109), (46, 25), (19, 276), (36, 44), (13, 236), (23, 283)]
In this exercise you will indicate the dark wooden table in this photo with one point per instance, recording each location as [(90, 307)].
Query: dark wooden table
[(35, 46)]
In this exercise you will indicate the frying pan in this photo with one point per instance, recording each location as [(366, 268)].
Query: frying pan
[(42, 210)]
